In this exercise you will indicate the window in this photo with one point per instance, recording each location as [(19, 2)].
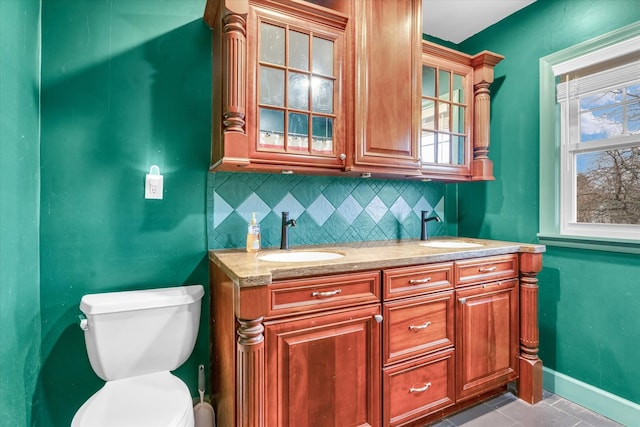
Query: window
[(590, 147), (600, 152)]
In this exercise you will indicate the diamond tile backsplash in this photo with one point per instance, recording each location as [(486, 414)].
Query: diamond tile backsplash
[(326, 209)]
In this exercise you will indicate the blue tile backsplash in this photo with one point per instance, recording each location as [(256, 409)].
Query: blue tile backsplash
[(327, 209)]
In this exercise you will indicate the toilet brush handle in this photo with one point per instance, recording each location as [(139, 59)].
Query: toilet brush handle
[(201, 380)]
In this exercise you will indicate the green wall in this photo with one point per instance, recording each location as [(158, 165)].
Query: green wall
[(588, 299), (125, 85), (19, 209)]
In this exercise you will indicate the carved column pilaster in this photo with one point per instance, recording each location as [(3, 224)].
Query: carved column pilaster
[(234, 76), (482, 113), (250, 381), (483, 63), (530, 382)]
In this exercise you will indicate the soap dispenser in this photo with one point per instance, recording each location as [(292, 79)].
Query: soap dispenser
[(253, 235)]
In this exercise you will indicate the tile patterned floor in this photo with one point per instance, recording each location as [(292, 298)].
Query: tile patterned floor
[(507, 410)]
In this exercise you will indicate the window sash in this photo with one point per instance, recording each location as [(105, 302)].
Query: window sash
[(571, 147), (568, 93)]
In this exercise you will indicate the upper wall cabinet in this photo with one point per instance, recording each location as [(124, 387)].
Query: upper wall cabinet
[(386, 97), (454, 141), (279, 86), (344, 87)]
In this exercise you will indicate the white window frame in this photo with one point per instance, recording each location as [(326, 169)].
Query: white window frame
[(557, 162)]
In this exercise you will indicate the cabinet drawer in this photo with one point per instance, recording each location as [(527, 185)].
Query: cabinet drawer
[(409, 281), (321, 293), (417, 388), (417, 325), (486, 269)]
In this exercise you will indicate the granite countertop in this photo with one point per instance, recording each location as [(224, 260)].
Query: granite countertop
[(246, 269)]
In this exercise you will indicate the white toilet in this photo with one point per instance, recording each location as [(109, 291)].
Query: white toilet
[(134, 339)]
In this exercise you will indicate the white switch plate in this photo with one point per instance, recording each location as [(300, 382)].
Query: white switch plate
[(153, 187)]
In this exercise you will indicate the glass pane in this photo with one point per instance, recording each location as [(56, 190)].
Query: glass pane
[(271, 86), (457, 116), (602, 123), (322, 92), (458, 88), (608, 187), (322, 137), (427, 147), (428, 114), (444, 79), (298, 91), (298, 136), (271, 128), (298, 50), (428, 81), (322, 56), (444, 147), (271, 44), (633, 118), (443, 116), (601, 99), (458, 150)]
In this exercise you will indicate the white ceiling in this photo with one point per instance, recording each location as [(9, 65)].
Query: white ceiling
[(457, 20)]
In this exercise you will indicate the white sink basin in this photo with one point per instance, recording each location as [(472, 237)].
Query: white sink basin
[(450, 244), (300, 256)]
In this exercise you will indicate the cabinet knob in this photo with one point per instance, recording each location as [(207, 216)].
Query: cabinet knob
[(377, 318), (462, 300), (342, 156)]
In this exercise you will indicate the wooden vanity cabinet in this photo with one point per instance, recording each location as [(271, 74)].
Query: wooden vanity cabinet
[(297, 353), (324, 369), (418, 342), (487, 324), (486, 337), (402, 346)]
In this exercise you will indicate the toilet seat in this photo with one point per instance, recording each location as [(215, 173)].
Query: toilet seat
[(153, 400)]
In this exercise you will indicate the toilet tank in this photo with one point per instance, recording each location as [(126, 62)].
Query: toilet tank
[(135, 333)]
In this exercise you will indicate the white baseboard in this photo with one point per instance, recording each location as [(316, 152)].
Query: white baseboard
[(611, 406)]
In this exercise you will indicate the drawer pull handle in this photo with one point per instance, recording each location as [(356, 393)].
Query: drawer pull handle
[(420, 281), (326, 294), (420, 389), (488, 285), (425, 325), (487, 269)]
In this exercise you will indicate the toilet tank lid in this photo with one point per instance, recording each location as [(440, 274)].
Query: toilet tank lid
[(112, 302)]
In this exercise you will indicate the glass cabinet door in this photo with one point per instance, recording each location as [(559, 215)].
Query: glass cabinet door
[(445, 116), (296, 85)]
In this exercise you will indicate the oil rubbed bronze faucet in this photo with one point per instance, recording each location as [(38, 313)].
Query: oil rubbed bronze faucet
[(424, 235), (284, 235)]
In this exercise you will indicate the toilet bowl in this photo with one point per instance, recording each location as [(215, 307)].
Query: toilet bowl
[(134, 339)]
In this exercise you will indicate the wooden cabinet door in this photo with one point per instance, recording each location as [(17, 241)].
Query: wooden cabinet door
[(324, 369), (486, 337), (296, 82), (387, 94), (447, 112)]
